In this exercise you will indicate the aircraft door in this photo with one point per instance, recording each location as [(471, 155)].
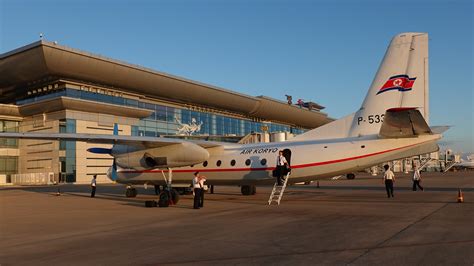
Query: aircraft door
[(287, 155)]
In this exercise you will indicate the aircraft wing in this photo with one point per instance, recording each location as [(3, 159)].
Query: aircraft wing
[(147, 142)]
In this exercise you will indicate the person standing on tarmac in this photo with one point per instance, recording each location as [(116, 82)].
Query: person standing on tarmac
[(281, 164), (417, 179), (93, 185), (389, 179), (202, 179), (196, 190)]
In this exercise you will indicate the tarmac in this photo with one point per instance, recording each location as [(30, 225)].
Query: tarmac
[(343, 222)]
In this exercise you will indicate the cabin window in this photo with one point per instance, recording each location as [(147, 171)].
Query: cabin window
[(218, 163), (363, 146), (204, 164), (263, 161), (232, 162), (247, 162), (325, 147)]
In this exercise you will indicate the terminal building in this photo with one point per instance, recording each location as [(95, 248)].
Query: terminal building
[(46, 87)]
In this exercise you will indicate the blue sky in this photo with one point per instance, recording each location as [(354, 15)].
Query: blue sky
[(323, 51)]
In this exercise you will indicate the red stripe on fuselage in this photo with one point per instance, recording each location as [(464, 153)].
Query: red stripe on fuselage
[(271, 168)]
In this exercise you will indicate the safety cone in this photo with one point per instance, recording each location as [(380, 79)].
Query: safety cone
[(460, 196)]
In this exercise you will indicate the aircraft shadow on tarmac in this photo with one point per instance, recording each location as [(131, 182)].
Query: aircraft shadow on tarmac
[(382, 188)]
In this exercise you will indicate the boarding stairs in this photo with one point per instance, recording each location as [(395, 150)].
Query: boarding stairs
[(448, 166), (424, 162), (277, 192)]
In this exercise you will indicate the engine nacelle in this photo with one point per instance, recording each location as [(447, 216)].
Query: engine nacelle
[(174, 155)]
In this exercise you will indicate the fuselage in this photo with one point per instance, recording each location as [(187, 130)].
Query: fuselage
[(310, 160)]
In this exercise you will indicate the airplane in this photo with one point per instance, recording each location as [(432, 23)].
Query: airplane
[(390, 124), (465, 164)]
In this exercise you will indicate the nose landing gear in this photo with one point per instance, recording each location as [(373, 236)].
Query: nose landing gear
[(131, 192)]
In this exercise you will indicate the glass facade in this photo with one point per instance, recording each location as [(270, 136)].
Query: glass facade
[(68, 163), (166, 120), (8, 165), (8, 126)]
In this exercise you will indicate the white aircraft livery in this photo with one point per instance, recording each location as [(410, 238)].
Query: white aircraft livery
[(390, 124)]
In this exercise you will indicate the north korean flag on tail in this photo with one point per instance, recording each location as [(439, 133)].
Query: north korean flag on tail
[(399, 82)]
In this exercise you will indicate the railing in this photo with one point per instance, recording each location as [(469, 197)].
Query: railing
[(33, 179), (448, 166)]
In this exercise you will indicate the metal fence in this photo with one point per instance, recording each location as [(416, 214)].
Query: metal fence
[(33, 179)]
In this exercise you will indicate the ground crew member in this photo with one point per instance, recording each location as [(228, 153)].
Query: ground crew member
[(389, 179), (202, 179), (196, 190), (282, 165), (93, 185), (417, 179)]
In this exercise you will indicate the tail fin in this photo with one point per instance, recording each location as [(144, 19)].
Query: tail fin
[(400, 82)]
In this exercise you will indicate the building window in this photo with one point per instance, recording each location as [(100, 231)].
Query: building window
[(68, 163), (8, 126), (8, 165)]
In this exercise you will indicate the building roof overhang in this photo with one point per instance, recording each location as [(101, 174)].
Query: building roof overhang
[(44, 60)]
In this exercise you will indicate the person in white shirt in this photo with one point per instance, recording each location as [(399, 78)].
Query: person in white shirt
[(202, 179), (197, 190), (93, 185), (417, 179), (281, 167), (389, 179)]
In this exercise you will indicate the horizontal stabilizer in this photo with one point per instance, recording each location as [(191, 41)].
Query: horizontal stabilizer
[(403, 123), (439, 129)]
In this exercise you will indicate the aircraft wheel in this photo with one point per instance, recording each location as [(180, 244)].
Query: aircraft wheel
[(350, 176), (247, 190), (164, 200), (174, 196), (131, 192)]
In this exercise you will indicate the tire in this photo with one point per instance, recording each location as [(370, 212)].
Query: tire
[(174, 196), (246, 190), (350, 176), (131, 192), (164, 200)]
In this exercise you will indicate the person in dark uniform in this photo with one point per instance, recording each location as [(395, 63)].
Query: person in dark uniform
[(282, 165), (202, 179), (93, 185), (389, 179), (196, 190)]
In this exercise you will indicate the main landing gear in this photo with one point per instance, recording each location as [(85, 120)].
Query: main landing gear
[(248, 190), (167, 196)]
